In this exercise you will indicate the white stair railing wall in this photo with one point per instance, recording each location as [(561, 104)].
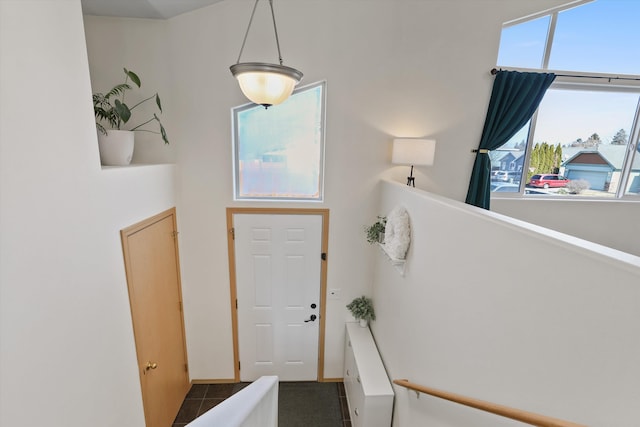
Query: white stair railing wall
[(505, 311), (254, 406)]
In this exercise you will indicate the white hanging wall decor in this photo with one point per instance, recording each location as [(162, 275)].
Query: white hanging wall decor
[(397, 234)]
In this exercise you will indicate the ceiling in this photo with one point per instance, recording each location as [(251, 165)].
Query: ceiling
[(152, 9)]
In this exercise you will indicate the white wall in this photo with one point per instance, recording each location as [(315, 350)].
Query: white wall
[(479, 315), (610, 223), (67, 353), (141, 46), (407, 68)]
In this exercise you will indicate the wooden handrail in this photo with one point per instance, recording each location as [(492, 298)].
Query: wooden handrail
[(505, 411)]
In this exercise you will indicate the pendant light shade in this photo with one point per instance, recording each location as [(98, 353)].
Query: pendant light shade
[(266, 84), (263, 83)]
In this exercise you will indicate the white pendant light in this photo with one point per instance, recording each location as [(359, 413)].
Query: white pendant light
[(263, 83)]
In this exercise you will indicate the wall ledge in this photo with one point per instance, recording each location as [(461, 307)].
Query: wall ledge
[(137, 165), (572, 243)]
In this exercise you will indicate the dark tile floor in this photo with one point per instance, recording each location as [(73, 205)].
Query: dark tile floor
[(344, 406), (202, 397)]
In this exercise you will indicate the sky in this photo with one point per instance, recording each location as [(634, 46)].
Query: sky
[(602, 37)]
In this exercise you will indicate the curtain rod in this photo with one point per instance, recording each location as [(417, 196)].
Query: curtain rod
[(494, 71)]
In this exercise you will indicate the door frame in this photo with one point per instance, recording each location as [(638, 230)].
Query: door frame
[(324, 213)]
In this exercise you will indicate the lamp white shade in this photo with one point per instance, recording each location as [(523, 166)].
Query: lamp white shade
[(266, 84), (416, 152)]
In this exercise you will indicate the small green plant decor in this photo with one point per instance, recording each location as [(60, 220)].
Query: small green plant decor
[(362, 309), (375, 232), (112, 109)]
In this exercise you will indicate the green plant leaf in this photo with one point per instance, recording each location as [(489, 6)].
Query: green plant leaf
[(101, 128), (374, 230), (133, 76), (164, 134), (362, 308), (117, 90), (162, 131), (122, 111), (110, 107)]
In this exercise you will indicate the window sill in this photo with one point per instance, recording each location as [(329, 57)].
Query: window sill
[(567, 198), (136, 165)]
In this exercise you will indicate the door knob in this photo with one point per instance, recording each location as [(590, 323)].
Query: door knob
[(311, 319), (150, 366)]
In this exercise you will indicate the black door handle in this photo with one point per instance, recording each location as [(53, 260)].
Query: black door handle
[(311, 319)]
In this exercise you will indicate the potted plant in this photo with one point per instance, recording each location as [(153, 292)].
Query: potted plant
[(116, 144), (362, 309), (375, 232)]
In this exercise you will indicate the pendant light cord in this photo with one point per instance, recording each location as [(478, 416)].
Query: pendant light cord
[(275, 29), (247, 32)]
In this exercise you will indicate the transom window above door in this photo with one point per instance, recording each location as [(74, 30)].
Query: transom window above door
[(279, 151)]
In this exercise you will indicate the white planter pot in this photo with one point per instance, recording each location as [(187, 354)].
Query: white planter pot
[(363, 323), (116, 148)]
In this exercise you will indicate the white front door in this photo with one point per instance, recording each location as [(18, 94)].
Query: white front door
[(278, 269)]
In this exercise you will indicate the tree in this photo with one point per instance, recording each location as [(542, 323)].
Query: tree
[(534, 161), (557, 159), (593, 140), (545, 158), (620, 138)]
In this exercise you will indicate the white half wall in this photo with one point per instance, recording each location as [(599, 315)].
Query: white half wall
[(67, 355), (612, 223), (477, 314)]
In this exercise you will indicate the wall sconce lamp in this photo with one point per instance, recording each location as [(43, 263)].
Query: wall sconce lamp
[(263, 83), (414, 152)]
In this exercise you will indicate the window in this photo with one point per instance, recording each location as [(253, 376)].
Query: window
[(586, 128), (279, 151), (523, 45)]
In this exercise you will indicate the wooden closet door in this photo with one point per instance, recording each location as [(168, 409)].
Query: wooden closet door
[(153, 276)]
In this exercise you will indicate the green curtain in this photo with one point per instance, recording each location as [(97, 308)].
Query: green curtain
[(514, 99)]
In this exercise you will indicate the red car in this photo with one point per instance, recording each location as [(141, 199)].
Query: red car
[(548, 180)]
